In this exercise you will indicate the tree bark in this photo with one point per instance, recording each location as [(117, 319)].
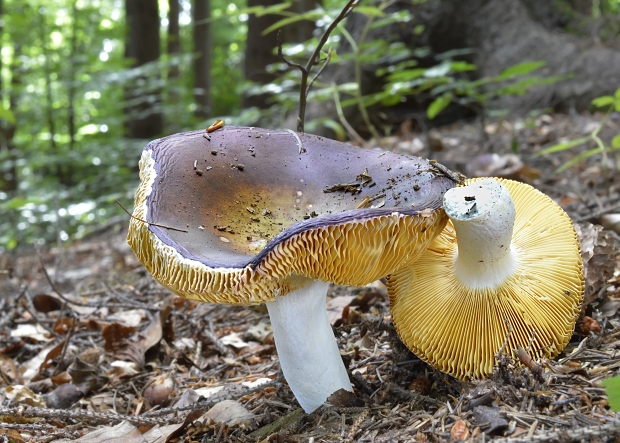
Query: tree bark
[(144, 118), (260, 50), (201, 13), (505, 33)]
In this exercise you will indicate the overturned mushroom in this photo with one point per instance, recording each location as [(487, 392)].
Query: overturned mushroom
[(269, 233), (506, 267)]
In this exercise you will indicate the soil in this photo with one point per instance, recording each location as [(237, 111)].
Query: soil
[(97, 351)]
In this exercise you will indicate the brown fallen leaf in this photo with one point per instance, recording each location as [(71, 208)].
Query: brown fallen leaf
[(85, 377), (22, 395), (459, 431), (46, 303)]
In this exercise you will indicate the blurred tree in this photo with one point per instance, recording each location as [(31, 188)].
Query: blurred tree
[(201, 13), (8, 172), (260, 49), (142, 45)]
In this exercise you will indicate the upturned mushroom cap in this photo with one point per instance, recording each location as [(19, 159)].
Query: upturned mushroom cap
[(260, 213), (458, 324)]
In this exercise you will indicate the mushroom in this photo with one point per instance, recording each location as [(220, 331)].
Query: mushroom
[(506, 269), (277, 230)]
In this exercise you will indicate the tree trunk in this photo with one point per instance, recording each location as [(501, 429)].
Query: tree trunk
[(201, 13), (8, 173), (260, 50), (505, 33), (174, 39), (142, 45)]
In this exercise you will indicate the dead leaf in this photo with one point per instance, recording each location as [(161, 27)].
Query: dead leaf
[(260, 331), (598, 251), (336, 305), (229, 412), (459, 431), (13, 435), (8, 366), (489, 419), (160, 434), (130, 317), (46, 303), (344, 399), (35, 332), (22, 395), (611, 222), (124, 432), (86, 377)]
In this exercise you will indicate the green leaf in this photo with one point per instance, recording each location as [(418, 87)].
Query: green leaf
[(313, 15), (563, 146), (462, 67), (579, 158), (341, 134), (605, 100), (438, 71), (523, 68), (615, 142), (514, 146), (617, 94), (612, 386), (7, 114), (438, 105), (259, 11), (369, 11)]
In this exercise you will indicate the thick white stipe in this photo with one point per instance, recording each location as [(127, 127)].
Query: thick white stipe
[(483, 215), (306, 345)]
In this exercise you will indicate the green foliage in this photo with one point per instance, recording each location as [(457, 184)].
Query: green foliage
[(608, 103), (612, 386), (66, 58)]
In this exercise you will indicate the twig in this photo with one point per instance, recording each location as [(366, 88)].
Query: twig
[(64, 347), (149, 223), (304, 88), (321, 69), (78, 415), (454, 176), (567, 434), (352, 132)]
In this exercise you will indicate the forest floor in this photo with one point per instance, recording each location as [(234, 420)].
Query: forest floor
[(126, 360)]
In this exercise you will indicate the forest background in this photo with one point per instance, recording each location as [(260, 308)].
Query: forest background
[(85, 84)]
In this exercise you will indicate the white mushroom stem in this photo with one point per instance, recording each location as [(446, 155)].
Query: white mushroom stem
[(483, 215), (306, 345)]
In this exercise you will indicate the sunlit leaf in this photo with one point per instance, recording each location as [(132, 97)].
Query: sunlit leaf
[(615, 142), (612, 386), (523, 68), (605, 100), (369, 11), (7, 114), (563, 146), (313, 15), (438, 105), (579, 158)]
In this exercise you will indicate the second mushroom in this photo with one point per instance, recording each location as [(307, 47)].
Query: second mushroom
[(505, 273)]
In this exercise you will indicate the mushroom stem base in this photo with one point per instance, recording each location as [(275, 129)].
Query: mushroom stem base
[(306, 345)]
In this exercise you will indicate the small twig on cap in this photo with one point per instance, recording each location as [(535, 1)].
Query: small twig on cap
[(301, 147), (456, 177), (150, 223)]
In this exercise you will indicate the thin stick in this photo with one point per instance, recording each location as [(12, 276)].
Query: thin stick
[(322, 68), (64, 347), (304, 88), (149, 223)]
